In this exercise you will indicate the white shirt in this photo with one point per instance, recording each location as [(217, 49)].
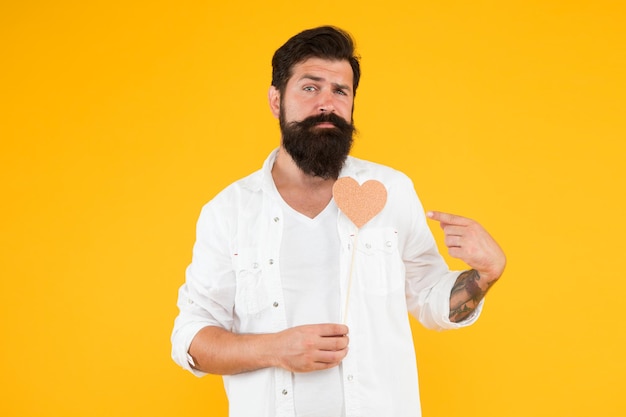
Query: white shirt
[(234, 282)]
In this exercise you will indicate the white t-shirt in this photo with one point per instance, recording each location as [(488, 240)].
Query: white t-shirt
[(309, 269)]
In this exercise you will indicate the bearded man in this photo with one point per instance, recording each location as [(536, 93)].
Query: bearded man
[(303, 311)]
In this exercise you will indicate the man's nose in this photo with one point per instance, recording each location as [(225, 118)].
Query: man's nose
[(326, 102)]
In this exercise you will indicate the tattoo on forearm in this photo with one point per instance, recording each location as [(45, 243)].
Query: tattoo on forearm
[(466, 294)]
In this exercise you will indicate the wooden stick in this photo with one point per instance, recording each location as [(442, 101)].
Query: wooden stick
[(347, 303)]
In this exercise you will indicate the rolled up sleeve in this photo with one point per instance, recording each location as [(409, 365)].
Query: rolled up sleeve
[(207, 296)]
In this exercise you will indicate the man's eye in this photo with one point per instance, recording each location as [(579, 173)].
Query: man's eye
[(309, 88), (341, 92)]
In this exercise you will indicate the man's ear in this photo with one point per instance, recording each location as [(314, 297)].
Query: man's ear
[(274, 99)]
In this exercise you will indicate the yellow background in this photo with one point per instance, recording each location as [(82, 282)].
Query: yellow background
[(118, 120)]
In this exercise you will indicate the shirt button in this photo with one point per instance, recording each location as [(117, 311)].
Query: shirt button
[(255, 265), (275, 304), (350, 377), (276, 219), (190, 301), (285, 392), (368, 246), (388, 244), (271, 262)]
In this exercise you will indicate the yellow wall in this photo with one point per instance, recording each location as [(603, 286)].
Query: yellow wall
[(119, 119)]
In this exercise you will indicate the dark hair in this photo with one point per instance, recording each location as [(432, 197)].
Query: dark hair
[(326, 42)]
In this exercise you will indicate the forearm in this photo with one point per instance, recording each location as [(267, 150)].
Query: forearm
[(306, 348), (468, 291), (218, 351)]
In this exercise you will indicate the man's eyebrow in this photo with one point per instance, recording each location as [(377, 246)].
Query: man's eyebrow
[(311, 77), (342, 86), (318, 79)]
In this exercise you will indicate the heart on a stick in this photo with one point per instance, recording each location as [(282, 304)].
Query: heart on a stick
[(360, 203)]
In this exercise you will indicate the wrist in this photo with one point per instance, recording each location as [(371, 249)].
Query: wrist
[(487, 278)]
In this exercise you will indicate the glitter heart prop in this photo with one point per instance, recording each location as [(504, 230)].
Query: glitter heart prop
[(360, 203)]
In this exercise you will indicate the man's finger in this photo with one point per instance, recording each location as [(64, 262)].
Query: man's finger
[(451, 230), (333, 343), (332, 330), (447, 218)]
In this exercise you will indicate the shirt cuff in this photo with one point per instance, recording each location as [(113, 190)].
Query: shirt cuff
[(437, 315), (180, 347)]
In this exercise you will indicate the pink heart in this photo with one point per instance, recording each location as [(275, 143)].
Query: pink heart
[(359, 202)]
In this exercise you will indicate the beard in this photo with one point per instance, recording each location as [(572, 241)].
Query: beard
[(318, 151)]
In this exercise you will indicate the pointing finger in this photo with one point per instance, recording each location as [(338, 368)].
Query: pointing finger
[(447, 218)]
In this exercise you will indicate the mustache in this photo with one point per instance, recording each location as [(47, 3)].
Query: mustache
[(312, 121)]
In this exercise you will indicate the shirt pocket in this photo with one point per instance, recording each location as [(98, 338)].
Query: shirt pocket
[(251, 296), (377, 262)]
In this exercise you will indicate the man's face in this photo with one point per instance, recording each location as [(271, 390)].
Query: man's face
[(315, 114)]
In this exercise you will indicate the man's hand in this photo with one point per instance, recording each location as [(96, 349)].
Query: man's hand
[(311, 347), (469, 242)]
